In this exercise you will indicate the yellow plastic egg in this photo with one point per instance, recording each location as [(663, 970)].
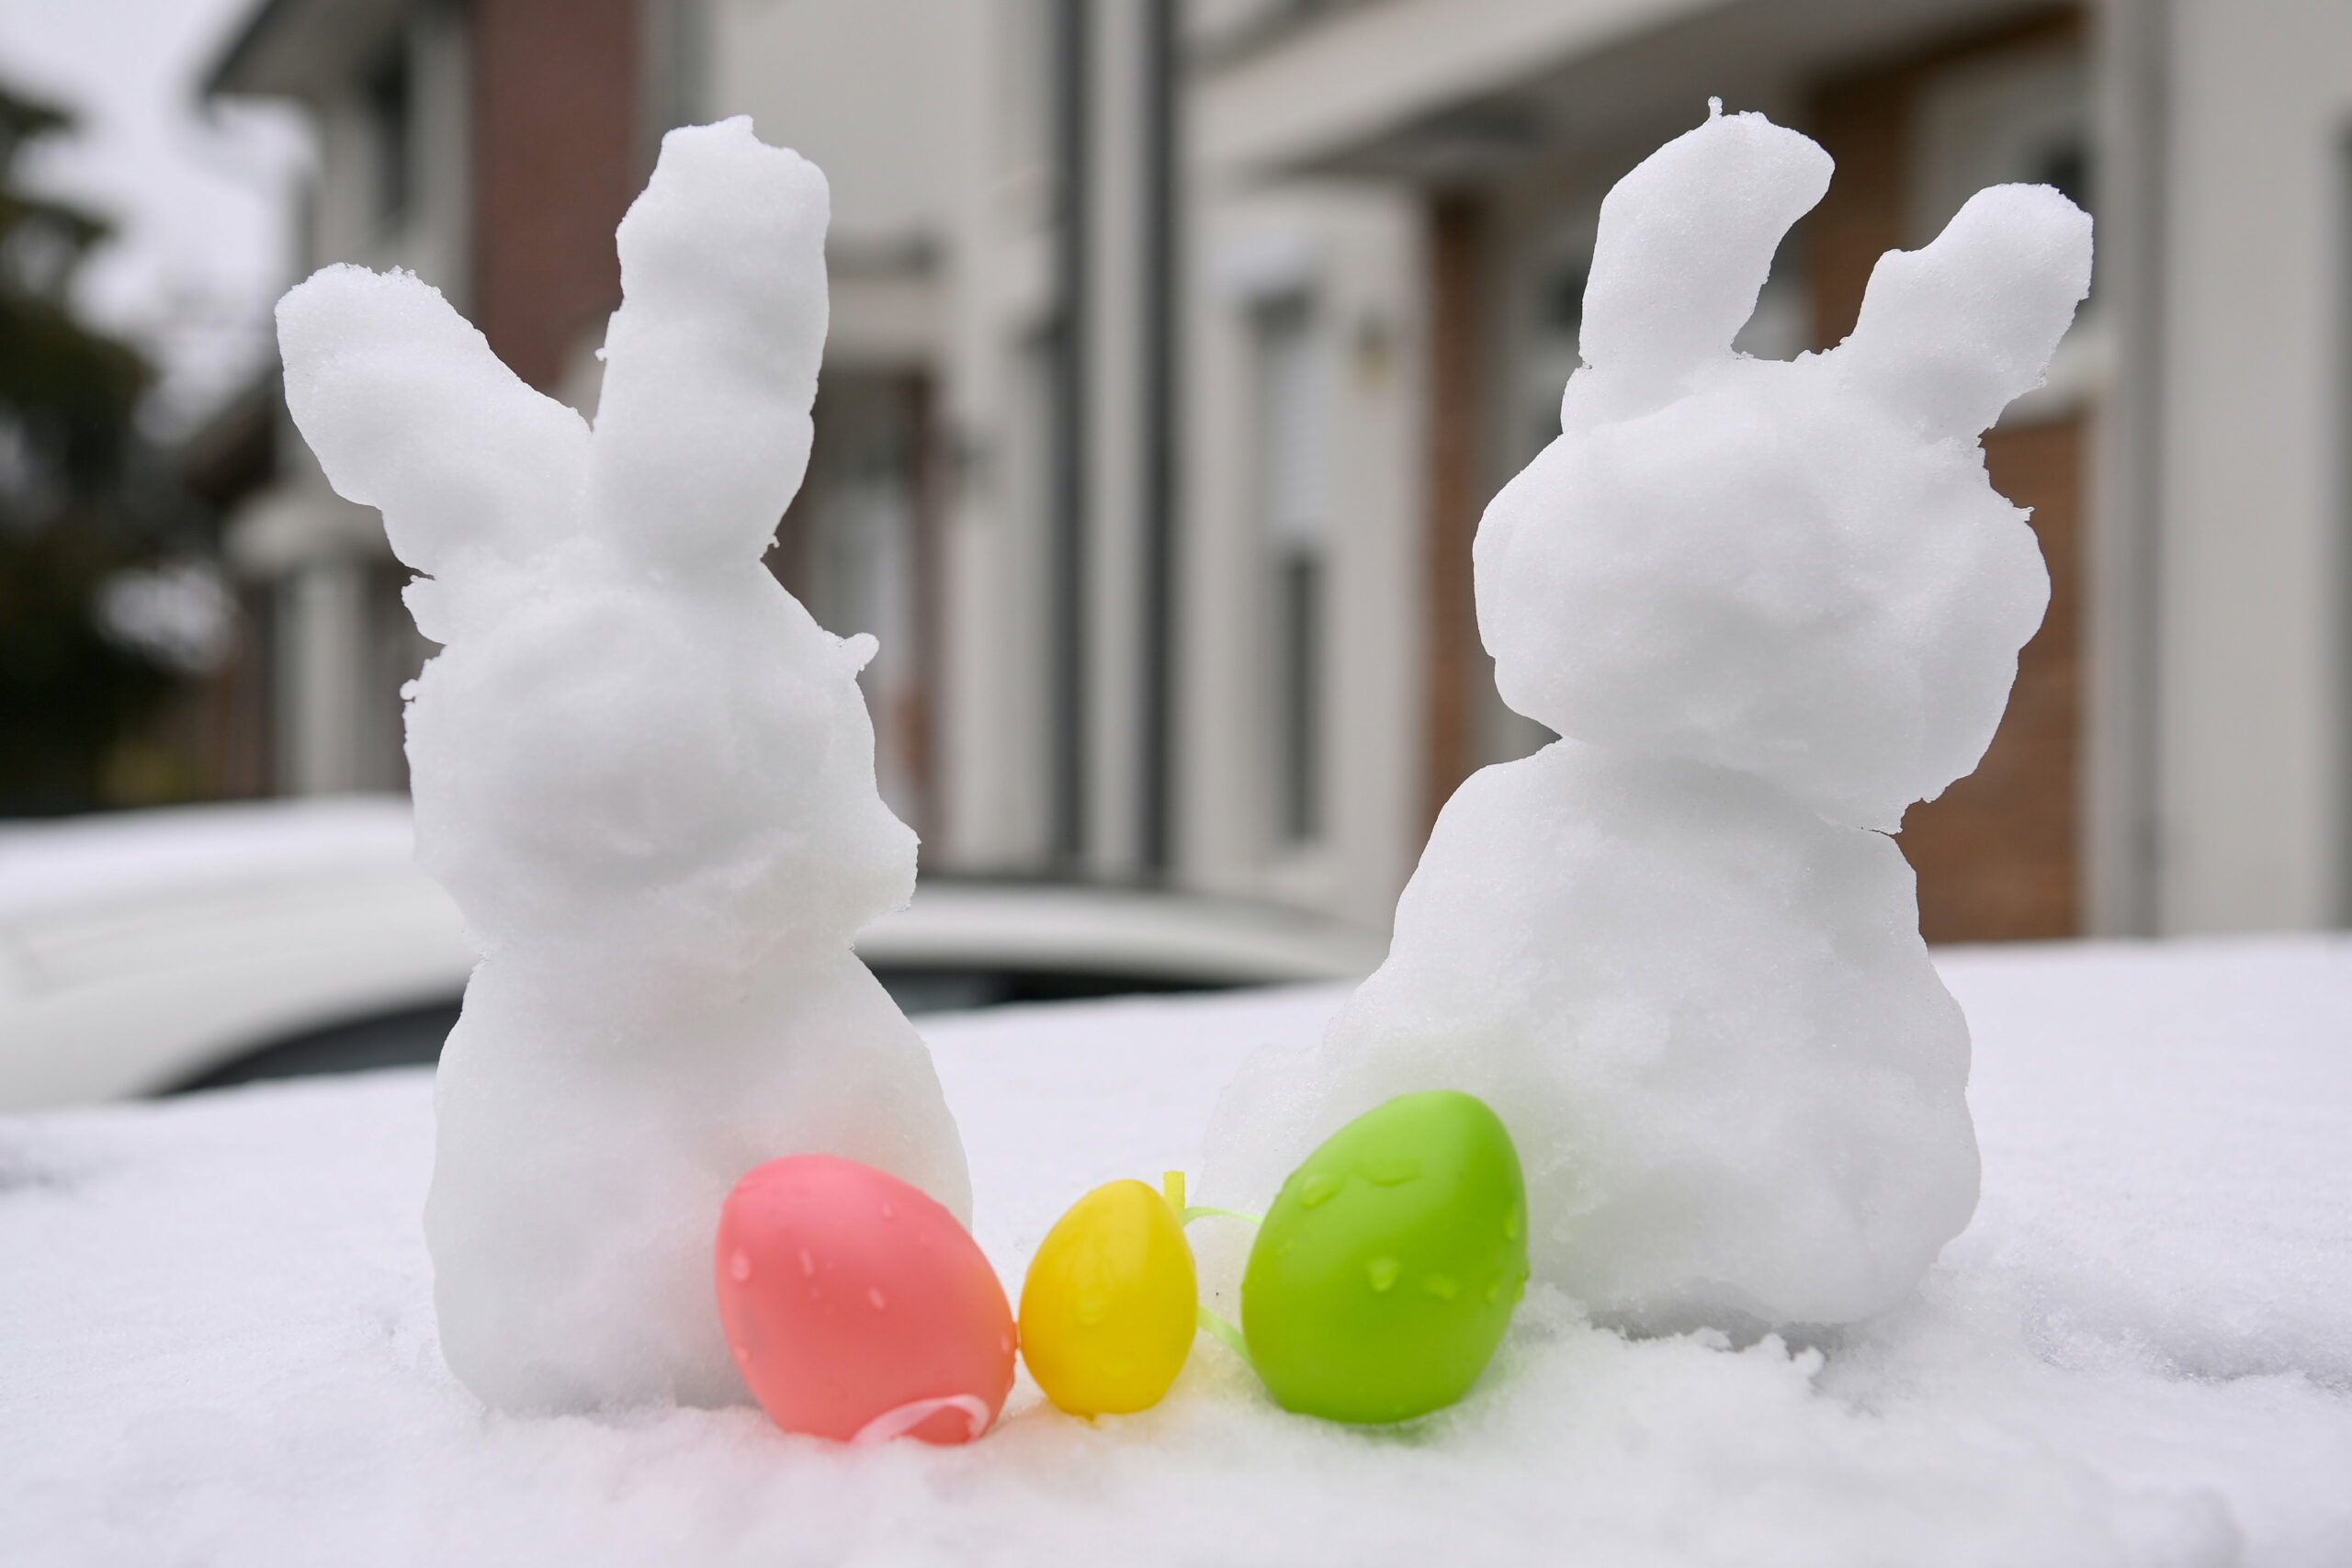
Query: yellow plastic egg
[(1111, 1303)]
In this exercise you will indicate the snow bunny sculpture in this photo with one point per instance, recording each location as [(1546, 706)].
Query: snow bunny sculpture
[(1768, 605), (644, 773)]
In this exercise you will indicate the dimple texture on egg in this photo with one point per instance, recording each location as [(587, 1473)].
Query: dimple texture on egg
[(1111, 1302), (1387, 1269), (857, 1308)]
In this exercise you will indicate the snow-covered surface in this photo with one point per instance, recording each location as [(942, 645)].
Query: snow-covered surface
[(217, 1341), (139, 948), (123, 855)]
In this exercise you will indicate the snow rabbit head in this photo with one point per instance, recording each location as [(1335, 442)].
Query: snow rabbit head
[(1794, 569)]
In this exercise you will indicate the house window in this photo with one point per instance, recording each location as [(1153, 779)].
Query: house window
[(2020, 115), (679, 43), (1548, 352), (388, 91), (1294, 509), (1043, 489), (850, 551)]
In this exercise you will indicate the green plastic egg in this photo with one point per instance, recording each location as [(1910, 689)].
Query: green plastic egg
[(1386, 1271)]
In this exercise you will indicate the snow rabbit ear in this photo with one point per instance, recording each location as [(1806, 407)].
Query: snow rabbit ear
[(411, 413), (1684, 244), (1949, 334), (713, 352)]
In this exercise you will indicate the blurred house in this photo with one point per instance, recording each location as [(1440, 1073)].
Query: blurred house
[(1177, 347), (492, 148)]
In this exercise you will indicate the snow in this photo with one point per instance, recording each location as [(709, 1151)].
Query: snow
[(63, 862), (642, 770), (1767, 605), (217, 1341)]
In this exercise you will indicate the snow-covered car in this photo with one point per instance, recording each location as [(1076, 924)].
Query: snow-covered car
[(149, 951)]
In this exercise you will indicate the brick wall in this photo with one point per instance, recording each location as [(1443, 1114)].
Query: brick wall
[(557, 102), (1456, 668), (1997, 855)]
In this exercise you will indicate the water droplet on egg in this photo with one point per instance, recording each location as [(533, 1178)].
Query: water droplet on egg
[(890, 1210), (738, 1267), (1510, 1224), (875, 1297), (1442, 1286), (1390, 1172), (1317, 1190), (743, 1353), (808, 1264), (1382, 1272)]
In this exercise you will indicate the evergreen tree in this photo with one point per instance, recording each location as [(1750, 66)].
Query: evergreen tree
[(79, 502)]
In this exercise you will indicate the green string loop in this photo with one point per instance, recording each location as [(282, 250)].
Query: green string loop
[(1226, 1335)]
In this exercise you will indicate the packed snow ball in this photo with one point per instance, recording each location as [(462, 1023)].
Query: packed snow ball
[(643, 770), (1767, 605)]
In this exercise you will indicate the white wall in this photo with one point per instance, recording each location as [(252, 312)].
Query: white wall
[(1355, 254), (1362, 249), (2250, 684), (2252, 576), (993, 736), (882, 97), (877, 93), (343, 645)]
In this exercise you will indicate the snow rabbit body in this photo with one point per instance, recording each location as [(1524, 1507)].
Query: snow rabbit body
[(643, 770), (1767, 605)]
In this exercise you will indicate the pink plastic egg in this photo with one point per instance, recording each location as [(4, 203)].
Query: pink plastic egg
[(858, 1308)]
